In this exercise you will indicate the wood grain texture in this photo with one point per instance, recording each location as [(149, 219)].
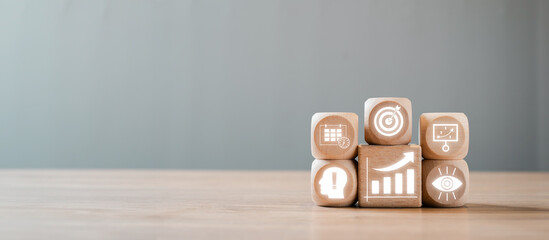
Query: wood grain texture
[(371, 158), (50, 204), (388, 121), (434, 149), (336, 188), (452, 176), (334, 135)]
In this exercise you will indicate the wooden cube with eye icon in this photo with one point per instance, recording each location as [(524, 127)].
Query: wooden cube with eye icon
[(334, 135), (388, 121), (445, 183), (334, 182), (444, 135)]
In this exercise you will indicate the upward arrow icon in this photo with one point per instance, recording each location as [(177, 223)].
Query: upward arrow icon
[(408, 157)]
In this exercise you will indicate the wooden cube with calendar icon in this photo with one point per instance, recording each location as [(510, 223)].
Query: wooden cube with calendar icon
[(334, 135), (445, 183), (388, 121), (389, 176), (444, 135), (334, 182)]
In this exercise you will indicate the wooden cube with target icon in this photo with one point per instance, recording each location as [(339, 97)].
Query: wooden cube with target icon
[(334, 135), (444, 135), (388, 121)]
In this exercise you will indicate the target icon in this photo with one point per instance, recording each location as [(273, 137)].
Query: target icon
[(388, 121)]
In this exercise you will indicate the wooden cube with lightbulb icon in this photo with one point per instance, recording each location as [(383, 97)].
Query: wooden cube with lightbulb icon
[(445, 183), (388, 121), (334, 182)]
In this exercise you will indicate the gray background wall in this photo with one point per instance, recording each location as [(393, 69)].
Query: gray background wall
[(233, 84)]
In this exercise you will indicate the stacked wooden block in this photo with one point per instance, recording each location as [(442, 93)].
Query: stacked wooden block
[(444, 138), (390, 172), (334, 140), (389, 169)]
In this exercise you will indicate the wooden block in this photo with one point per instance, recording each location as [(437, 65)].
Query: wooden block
[(445, 183), (388, 121), (444, 135), (334, 182), (389, 176), (334, 135)]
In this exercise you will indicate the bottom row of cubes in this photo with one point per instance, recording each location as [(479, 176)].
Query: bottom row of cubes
[(406, 182)]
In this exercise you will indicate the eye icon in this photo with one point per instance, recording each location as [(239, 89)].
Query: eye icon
[(447, 183)]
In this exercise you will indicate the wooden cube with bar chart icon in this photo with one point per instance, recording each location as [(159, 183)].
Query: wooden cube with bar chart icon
[(444, 135), (334, 135), (388, 121), (334, 182), (445, 183), (389, 176)]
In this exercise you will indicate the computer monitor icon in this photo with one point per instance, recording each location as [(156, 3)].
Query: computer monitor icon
[(445, 133)]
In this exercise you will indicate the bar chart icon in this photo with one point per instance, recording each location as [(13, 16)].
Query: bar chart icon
[(389, 176), (394, 181)]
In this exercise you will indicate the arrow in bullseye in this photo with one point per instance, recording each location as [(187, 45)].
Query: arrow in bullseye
[(408, 157)]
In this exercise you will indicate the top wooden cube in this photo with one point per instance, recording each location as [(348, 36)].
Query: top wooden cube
[(388, 121), (334, 135), (444, 135)]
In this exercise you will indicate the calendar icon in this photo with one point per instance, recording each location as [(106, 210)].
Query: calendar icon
[(331, 134)]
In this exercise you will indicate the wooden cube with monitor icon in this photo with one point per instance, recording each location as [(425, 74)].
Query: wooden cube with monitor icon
[(444, 135)]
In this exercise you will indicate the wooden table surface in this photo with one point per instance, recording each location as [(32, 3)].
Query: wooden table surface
[(115, 204)]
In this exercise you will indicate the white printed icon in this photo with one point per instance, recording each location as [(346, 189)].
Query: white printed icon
[(445, 133), (388, 191), (334, 135), (333, 183), (447, 183), (388, 121)]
